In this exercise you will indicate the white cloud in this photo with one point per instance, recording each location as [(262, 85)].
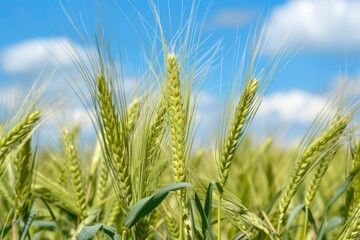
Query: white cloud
[(72, 116), (291, 107), (8, 97), (231, 18), (322, 25), (33, 55)]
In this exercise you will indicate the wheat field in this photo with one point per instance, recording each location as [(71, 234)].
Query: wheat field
[(146, 179)]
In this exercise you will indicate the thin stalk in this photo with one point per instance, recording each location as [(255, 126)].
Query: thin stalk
[(27, 225), (219, 219), (13, 228), (305, 223), (124, 234), (181, 225)]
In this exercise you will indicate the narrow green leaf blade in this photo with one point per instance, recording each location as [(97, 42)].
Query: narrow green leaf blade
[(208, 199), (292, 216), (205, 223), (148, 204), (89, 232)]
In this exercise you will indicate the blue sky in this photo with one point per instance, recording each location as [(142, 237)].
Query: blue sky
[(324, 33)]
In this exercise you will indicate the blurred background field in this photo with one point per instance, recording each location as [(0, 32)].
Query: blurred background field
[(105, 103)]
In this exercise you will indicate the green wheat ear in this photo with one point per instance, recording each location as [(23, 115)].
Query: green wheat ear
[(73, 164), (172, 226), (176, 117), (24, 165), (114, 141), (153, 141), (355, 186), (351, 229), (231, 143), (133, 113), (302, 166), (318, 176), (18, 133)]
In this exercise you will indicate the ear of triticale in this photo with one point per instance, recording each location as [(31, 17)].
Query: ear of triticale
[(133, 113), (18, 133), (73, 164), (319, 174), (114, 143), (24, 165), (176, 117), (351, 229), (355, 186), (307, 159), (231, 143)]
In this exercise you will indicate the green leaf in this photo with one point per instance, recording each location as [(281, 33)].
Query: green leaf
[(27, 225), (89, 232), (208, 200), (292, 216), (219, 187), (333, 223), (311, 219), (205, 223), (148, 204), (5, 230)]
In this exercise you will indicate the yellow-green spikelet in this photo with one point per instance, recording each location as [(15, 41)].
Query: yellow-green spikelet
[(231, 143), (114, 141), (133, 113), (301, 166), (18, 133), (356, 182), (176, 117), (318, 176), (75, 171), (351, 230), (23, 180), (153, 142)]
